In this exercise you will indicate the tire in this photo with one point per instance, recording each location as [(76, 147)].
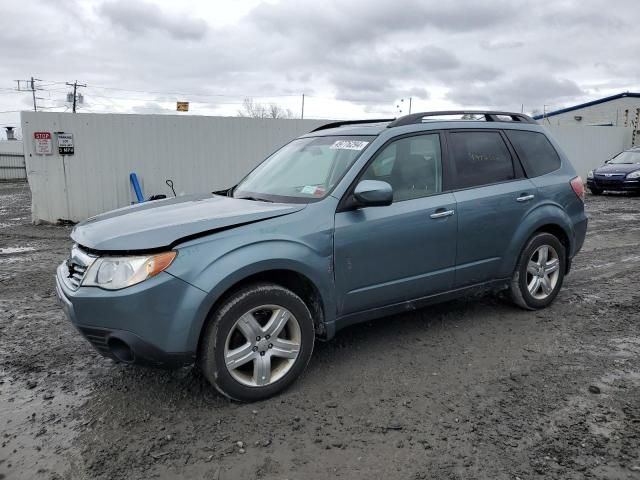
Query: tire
[(244, 368), (524, 290), (595, 191)]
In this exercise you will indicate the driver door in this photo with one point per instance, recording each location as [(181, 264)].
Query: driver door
[(404, 251)]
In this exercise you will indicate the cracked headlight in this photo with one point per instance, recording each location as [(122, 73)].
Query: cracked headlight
[(114, 273), (635, 174)]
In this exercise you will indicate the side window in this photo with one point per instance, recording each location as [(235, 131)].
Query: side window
[(535, 151), (412, 165), (480, 158)]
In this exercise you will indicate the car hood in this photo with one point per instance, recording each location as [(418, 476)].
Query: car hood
[(618, 168), (163, 223)]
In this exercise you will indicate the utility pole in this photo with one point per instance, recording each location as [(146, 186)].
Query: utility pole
[(33, 93), (302, 115), (75, 86), (31, 87), (401, 105)]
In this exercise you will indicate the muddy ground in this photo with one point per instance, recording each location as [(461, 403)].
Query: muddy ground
[(464, 390)]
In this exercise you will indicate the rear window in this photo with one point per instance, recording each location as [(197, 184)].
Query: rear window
[(481, 158), (536, 153)]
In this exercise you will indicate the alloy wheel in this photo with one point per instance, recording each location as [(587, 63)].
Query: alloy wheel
[(262, 345), (543, 271)]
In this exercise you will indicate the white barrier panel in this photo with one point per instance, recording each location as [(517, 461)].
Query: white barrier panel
[(589, 147), (200, 154), (12, 161)]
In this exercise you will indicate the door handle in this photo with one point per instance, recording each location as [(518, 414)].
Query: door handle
[(446, 213), (525, 198)]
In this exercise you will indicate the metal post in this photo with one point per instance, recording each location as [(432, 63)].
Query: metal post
[(410, 98), (33, 92), (302, 115), (75, 87)]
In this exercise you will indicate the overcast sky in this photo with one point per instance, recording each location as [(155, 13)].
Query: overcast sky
[(351, 58)]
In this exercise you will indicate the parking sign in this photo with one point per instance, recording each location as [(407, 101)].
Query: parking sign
[(65, 143)]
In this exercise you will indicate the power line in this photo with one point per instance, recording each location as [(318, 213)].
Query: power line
[(195, 94), (115, 101)]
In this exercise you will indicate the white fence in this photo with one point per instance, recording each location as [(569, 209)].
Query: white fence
[(200, 154), (588, 147), (12, 165)]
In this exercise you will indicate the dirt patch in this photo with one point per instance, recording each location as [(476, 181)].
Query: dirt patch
[(468, 389)]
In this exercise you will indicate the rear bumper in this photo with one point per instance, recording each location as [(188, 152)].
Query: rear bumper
[(146, 324), (579, 234), (614, 185)]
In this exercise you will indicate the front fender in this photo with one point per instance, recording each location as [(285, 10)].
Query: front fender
[(540, 216), (218, 275)]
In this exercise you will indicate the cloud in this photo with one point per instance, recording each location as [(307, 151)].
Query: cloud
[(363, 21), (510, 93), (501, 45), (138, 16), (152, 107), (482, 53)]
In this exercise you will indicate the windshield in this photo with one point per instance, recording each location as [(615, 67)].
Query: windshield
[(626, 157), (305, 170)]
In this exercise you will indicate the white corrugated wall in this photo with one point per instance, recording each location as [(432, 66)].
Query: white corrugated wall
[(12, 161), (200, 154), (589, 147)]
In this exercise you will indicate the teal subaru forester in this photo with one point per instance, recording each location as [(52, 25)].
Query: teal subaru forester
[(353, 221)]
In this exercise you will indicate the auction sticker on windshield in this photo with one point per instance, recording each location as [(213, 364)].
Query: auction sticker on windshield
[(349, 145)]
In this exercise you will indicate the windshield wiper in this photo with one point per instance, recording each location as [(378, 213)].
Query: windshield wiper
[(255, 199)]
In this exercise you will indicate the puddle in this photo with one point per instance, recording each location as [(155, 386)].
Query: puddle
[(17, 259), (11, 250), (628, 217)]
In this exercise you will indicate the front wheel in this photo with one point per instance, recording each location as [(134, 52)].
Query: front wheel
[(595, 190), (540, 272), (257, 343)]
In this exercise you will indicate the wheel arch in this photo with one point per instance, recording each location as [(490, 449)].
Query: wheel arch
[(545, 219), (287, 277)]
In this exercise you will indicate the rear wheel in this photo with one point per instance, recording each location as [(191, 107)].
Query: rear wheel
[(257, 343), (540, 272), (595, 190)]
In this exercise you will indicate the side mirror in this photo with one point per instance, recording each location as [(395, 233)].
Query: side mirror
[(373, 193), (607, 161)]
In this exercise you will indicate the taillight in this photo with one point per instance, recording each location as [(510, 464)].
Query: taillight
[(578, 187)]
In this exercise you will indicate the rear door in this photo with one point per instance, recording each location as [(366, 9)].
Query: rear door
[(492, 196)]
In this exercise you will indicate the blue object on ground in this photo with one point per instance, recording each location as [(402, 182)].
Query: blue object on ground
[(136, 187)]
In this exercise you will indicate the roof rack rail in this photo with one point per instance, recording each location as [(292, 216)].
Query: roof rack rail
[(489, 116), (351, 122)]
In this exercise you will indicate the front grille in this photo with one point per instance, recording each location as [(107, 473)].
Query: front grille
[(76, 267), (76, 274), (611, 181)]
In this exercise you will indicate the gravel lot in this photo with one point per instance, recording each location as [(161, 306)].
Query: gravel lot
[(468, 389)]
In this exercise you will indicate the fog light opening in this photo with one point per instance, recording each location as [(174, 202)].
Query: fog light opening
[(120, 350)]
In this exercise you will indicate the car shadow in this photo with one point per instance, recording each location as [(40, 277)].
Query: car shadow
[(357, 343)]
